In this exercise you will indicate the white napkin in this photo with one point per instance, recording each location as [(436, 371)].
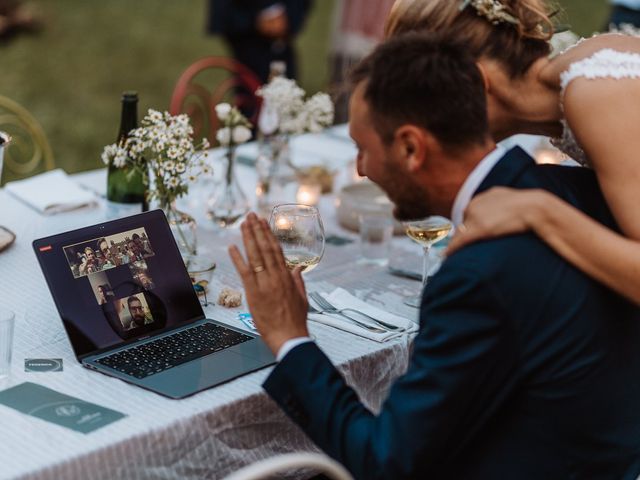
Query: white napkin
[(340, 298), (51, 192)]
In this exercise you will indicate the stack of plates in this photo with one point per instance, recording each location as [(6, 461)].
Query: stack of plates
[(363, 198)]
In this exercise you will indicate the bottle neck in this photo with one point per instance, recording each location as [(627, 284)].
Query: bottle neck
[(128, 119)]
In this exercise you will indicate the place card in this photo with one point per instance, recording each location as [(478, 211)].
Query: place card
[(42, 364), (69, 412)]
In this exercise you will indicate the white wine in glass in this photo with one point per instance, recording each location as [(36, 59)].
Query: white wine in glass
[(426, 232), (300, 232)]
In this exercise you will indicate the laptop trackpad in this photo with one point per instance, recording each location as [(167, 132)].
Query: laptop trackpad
[(202, 373)]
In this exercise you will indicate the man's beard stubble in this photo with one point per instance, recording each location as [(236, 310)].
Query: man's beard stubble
[(410, 201)]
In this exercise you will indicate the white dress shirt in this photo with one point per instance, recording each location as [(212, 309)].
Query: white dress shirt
[(472, 183), (463, 198)]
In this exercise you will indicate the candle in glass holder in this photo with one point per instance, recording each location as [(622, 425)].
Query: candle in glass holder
[(548, 155), (308, 193)]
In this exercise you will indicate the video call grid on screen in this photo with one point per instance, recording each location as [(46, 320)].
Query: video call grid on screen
[(129, 284)]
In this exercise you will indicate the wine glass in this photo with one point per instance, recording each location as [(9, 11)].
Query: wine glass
[(426, 232), (300, 232)]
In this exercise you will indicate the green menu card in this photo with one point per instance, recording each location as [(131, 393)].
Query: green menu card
[(55, 407)]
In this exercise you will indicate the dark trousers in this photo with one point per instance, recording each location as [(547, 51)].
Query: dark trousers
[(257, 53)]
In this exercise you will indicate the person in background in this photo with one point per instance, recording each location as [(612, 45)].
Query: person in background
[(259, 32), (624, 12), (358, 26)]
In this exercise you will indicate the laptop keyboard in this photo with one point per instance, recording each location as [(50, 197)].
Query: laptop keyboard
[(172, 350)]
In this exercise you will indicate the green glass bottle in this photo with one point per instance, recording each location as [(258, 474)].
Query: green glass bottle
[(121, 186)]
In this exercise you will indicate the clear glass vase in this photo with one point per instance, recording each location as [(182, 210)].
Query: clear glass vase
[(277, 177), (183, 227), (228, 204)]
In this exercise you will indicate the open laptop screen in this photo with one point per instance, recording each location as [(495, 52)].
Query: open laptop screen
[(117, 281)]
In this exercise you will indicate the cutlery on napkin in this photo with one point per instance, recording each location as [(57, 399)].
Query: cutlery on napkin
[(340, 298), (51, 192)]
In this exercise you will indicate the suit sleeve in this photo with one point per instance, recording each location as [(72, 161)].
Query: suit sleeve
[(462, 368)]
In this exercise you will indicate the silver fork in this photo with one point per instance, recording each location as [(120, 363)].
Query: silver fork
[(371, 328), (324, 304)]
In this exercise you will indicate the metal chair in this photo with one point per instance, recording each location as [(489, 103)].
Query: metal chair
[(29, 150), (290, 461), (209, 81)]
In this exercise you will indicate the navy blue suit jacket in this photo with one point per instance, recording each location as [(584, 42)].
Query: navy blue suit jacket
[(524, 367)]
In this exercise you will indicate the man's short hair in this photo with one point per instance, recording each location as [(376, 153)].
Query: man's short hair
[(132, 299), (135, 236), (102, 240), (428, 81)]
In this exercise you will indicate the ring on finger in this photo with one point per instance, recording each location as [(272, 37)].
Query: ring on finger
[(258, 269)]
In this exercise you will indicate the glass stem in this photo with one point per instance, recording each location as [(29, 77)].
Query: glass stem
[(425, 266)]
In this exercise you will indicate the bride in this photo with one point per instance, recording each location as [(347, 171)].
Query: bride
[(588, 98)]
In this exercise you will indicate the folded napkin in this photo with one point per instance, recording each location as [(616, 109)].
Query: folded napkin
[(340, 298), (51, 192)]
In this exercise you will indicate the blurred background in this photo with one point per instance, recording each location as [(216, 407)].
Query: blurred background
[(74, 58)]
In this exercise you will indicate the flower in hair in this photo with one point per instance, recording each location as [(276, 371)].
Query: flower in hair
[(492, 10)]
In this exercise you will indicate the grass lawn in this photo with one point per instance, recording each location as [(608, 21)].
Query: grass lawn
[(71, 75)]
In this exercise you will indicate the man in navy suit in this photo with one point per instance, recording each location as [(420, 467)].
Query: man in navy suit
[(524, 367)]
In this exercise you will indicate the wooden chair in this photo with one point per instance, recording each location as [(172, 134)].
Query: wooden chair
[(209, 81), (29, 150), (292, 461)]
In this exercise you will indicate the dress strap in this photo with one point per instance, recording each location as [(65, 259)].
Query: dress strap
[(606, 63)]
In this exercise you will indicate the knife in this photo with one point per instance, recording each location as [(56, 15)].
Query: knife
[(400, 272)]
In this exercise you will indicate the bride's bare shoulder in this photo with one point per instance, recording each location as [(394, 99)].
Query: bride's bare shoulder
[(586, 48)]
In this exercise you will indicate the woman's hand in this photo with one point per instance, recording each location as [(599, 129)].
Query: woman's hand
[(494, 213), (277, 298)]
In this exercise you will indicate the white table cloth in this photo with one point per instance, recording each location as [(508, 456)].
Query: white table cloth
[(210, 434)]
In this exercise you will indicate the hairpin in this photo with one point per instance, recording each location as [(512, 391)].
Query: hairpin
[(492, 10)]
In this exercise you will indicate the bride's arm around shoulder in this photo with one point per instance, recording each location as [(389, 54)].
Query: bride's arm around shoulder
[(604, 115)]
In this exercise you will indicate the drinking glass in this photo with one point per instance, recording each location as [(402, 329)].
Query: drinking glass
[(426, 232), (6, 342), (300, 232), (375, 238)]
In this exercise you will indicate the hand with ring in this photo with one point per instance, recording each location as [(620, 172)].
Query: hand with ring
[(276, 297)]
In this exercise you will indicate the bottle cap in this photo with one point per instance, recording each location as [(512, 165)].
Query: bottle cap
[(130, 96)]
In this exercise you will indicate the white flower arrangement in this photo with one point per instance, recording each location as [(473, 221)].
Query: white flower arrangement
[(162, 147), (234, 129), (287, 112)]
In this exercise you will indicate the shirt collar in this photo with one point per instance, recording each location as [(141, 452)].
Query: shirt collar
[(472, 183)]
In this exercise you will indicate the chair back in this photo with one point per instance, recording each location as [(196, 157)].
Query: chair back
[(209, 81), (292, 461), (29, 150)]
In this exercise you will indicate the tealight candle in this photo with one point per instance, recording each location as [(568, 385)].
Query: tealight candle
[(308, 193), (282, 223), (548, 155)]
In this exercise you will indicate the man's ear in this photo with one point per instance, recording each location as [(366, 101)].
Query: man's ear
[(485, 77), (414, 145)]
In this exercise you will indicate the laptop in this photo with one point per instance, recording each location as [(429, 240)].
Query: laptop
[(130, 310)]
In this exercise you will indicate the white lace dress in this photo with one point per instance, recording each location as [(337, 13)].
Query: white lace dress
[(606, 63)]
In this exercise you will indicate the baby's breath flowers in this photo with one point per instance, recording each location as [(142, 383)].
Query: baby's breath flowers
[(162, 148), (289, 110)]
